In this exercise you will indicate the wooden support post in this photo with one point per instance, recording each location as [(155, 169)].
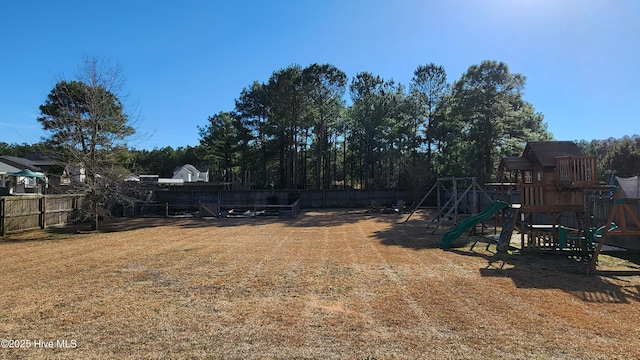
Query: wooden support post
[(622, 219), (2, 216), (555, 225), (43, 212), (438, 194), (419, 204), (525, 220), (455, 199), (594, 258), (475, 209)]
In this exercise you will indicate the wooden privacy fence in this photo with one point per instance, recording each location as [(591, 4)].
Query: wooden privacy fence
[(190, 197), (19, 213)]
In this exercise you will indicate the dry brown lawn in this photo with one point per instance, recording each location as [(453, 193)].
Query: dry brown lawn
[(329, 285)]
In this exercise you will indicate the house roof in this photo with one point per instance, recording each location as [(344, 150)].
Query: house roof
[(545, 152), (20, 163), (186, 167), (43, 161), (7, 168)]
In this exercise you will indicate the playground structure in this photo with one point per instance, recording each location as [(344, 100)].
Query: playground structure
[(471, 222), (552, 178), (623, 219), (550, 195), (463, 202), (455, 196)]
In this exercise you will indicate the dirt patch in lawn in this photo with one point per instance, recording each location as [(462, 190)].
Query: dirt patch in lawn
[(330, 284)]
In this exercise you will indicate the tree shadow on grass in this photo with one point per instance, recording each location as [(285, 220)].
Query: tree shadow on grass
[(411, 235), (306, 219), (50, 234), (70, 231)]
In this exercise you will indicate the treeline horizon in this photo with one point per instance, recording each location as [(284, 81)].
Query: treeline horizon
[(617, 156), (295, 130)]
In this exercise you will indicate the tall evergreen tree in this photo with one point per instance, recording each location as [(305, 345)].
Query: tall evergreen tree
[(429, 87), (86, 119), (369, 115), (222, 139), (286, 116), (325, 86), (254, 106), (488, 98)]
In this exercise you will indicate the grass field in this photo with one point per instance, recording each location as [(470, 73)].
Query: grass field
[(329, 285)]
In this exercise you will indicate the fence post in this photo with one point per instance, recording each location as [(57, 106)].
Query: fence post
[(166, 209), (2, 216), (43, 212), (74, 207), (324, 198)]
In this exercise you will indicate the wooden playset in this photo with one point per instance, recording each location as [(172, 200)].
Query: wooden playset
[(551, 178), (552, 197), (623, 218)]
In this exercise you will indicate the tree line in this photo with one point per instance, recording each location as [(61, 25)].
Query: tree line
[(617, 156), (296, 130)]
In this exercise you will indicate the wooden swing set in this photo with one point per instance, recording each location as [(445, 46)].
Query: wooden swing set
[(622, 221)]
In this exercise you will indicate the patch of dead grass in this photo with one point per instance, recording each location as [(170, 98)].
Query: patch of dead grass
[(328, 285)]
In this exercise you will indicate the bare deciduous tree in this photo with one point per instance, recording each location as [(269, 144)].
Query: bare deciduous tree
[(87, 122)]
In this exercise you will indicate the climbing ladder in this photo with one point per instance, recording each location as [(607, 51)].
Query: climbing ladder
[(510, 219)]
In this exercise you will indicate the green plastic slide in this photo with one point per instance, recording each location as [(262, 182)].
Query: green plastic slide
[(470, 222)]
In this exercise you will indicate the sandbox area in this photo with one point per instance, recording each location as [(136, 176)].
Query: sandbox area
[(328, 285)]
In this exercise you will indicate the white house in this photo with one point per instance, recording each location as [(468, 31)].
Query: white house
[(20, 176), (72, 174), (5, 171), (189, 173)]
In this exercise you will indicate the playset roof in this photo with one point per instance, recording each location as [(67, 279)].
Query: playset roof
[(545, 152), (540, 153)]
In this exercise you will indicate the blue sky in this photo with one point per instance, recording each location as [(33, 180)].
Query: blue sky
[(185, 61)]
